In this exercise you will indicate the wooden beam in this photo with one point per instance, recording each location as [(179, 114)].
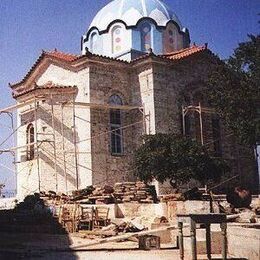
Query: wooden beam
[(125, 236), (23, 146), (17, 148), (79, 104), (14, 107), (101, 106)]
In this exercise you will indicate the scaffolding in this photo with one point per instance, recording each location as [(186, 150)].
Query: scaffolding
[(200, 110), (34, 105)]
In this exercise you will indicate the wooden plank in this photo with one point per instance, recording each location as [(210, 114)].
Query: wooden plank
[(124, 237), (97, 233), (17, 147), (14, 107), (101, 106), (23, 146)]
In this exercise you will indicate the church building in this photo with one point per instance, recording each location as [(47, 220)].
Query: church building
[(81, 117)]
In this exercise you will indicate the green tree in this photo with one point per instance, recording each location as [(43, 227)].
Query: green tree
[(235, 92), (177, 159)]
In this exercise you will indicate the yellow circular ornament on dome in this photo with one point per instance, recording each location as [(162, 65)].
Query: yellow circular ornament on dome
[(147, 46)]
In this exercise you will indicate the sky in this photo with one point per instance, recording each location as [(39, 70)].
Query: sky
[(28, 26)]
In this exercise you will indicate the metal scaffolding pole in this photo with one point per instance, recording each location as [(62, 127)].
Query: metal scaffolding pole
[(183, 121), (36, 140), (199, 109), (54, 144), (201, 125), (63, 148), (75, 144)]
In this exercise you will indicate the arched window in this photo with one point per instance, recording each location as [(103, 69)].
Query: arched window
[(116, 136), (93, 42), (146, 39), (117, 39), (30, 141)]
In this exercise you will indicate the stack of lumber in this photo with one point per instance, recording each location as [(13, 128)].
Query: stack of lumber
[(134, 192)]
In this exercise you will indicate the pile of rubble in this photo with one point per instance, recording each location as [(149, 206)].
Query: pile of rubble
[(120, 193), (94, 195), (172, 197), (134, 192), (129, 226)]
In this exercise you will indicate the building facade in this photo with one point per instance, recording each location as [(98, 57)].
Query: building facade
[(81, 117)]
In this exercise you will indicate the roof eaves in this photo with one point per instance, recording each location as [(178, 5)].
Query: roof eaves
[(46, 86), (90, 54), (182, 54), (52, 54)]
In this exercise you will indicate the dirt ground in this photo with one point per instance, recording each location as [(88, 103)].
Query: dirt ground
[(104, 255), (94, 255), (57, 247)]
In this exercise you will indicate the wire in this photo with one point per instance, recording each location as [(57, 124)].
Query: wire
[(111, 131), (6, 167), (224, 182), (3, 142)]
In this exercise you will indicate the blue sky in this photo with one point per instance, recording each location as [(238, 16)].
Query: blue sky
[(28, 26)]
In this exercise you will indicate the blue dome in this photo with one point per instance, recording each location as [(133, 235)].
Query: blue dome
[(131, 11)]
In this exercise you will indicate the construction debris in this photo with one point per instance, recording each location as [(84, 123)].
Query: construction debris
[(134, 192), (122, 227), (124, 237), (172, 197), (246, 216), (120, 193)]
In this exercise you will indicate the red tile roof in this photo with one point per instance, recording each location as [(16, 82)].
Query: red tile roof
[(61, 55), (177, 55), (48, 85), (67, 57)]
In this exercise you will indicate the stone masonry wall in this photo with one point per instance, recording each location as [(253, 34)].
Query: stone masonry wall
[(106, 167)]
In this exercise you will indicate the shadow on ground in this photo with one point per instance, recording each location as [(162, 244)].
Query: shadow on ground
[(30, 230)]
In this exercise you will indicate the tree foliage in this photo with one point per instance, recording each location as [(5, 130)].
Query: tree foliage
[(177, 159), (235, 92)]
